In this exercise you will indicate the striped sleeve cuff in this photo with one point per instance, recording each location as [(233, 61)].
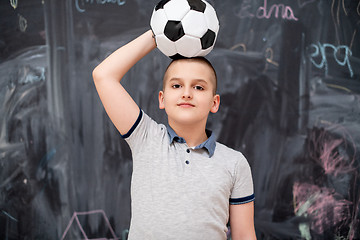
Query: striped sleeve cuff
[(236, 201), (134, 126)]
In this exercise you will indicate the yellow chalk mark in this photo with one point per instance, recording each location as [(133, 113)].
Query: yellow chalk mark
[(14, 3), (269, 59), (338, 87), (233, 48)]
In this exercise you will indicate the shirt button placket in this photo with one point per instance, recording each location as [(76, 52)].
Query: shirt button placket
[(187, 161)]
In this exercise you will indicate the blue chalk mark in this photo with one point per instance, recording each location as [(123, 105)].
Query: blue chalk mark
[(320, 52), (9, 216)]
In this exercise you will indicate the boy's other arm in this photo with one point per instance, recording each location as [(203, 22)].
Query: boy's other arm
[(119, 105), (242, 221)]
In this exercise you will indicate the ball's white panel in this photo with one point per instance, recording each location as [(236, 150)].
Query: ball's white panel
[(211, 18), (166, 46), (188, 46), (176, 9), (158, 21), (194, 24)]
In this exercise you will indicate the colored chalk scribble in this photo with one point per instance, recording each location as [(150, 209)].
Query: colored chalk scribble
[(327, 207)]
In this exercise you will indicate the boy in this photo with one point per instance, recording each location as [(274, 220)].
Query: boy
[(182, 179)]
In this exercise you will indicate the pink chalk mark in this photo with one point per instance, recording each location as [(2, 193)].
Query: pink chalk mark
[(75, 217), (279, 10), (325, 208), (326, 152)]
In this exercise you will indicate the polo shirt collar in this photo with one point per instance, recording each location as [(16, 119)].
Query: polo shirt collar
[(209, 144)]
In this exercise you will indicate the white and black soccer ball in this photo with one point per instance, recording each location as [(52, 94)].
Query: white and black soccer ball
[(184, 28)]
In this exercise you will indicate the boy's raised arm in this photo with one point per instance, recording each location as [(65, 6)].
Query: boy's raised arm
[(119, 105)]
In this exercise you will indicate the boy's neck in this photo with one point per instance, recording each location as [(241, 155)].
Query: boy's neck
[(193, 135)]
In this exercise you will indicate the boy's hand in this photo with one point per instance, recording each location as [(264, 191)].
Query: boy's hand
[(119, 105)]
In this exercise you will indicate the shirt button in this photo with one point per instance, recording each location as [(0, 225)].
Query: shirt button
[(187, 162), (188, 150)]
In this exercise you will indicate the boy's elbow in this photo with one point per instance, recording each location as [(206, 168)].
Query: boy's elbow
[(96, 74)]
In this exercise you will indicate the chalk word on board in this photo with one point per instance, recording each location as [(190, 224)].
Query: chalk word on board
[(275, 10), (341, 55), (80, 4)]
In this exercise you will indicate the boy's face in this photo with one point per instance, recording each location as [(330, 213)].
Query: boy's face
[(188, 92)]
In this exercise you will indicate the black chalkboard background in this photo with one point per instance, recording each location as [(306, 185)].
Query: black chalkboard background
[(289, 86)]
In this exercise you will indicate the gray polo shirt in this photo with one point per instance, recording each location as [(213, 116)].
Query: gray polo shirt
[(179, 192)]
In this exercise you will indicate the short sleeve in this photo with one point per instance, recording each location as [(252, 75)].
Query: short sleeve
[(243, 190), (145, 131)]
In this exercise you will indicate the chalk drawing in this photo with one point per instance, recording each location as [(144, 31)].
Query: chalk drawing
[(324, 206), (328, 151), (9, 219), (22, 23), (269, 53), (14, 3), (80, 4), (75, 217)]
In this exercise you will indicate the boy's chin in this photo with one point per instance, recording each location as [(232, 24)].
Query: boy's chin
[(185, 119)]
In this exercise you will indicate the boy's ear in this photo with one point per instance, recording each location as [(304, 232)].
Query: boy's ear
[(161, 100), (216, 104)]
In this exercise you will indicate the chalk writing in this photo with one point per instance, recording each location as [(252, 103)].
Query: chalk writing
[(22, 23), (14, 3), (275, 10), (286, 11), (75, 217), (80, 4), (338, 52)]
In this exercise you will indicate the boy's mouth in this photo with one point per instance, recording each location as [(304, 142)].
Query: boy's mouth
[(186, 105)]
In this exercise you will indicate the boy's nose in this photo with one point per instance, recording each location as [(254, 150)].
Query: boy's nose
[(187, 94)]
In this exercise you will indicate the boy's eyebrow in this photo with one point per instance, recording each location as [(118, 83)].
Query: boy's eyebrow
[(195, 79)]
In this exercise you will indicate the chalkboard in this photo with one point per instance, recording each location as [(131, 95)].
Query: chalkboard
[(289, 80)]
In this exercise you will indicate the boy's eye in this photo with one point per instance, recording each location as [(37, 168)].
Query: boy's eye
[(176, 86), (199, 88)]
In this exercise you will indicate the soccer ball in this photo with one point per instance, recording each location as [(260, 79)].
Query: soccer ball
[(184, 28)]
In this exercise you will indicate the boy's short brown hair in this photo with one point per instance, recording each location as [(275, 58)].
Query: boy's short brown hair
[(194, 59)]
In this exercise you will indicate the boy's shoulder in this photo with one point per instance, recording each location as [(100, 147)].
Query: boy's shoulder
[(228, 153)]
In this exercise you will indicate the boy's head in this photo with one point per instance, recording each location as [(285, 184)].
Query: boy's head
[(189, 91), (200, 60)]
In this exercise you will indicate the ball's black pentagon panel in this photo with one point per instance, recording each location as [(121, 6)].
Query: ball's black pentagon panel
[(174, 30), (177, 56), (197, 5), (208, 39), (161, 4)]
